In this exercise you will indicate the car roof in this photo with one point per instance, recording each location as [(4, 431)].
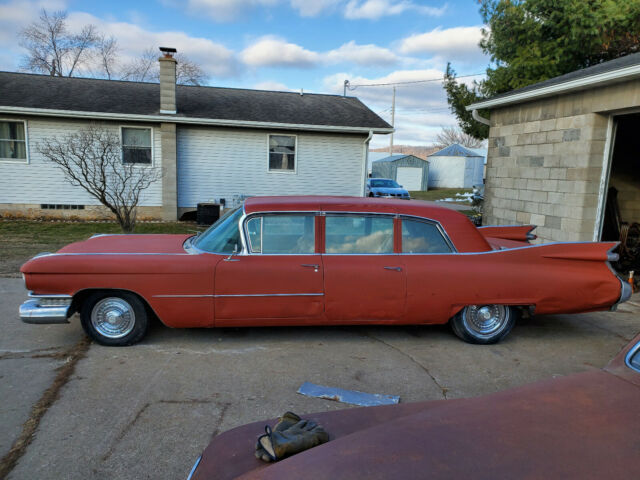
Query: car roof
[(464, 235)]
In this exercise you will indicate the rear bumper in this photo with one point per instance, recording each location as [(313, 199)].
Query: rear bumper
[(625, 293), (32, 311)]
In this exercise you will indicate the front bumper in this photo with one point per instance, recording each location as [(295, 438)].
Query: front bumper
[(399, 197), (46, 309)]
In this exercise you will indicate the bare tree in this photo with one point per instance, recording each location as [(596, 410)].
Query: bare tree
[(450, 135), (107, 52), (145, 68), (91, 158), (52, 49)]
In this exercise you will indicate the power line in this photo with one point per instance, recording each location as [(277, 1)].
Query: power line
[(353, 87)]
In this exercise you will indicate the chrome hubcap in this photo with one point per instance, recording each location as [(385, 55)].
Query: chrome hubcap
[(485, 319), (113, 317)]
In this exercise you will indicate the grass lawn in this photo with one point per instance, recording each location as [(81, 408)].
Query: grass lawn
[(21, 239), (439, 193)]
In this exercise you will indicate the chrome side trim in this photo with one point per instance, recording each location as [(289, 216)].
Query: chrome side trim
[(51, 295), (182, 296), (629, 356), (272, 295), (106, 253), (31, 312)]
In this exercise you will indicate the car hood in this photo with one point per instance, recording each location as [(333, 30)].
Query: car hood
[(161, 243), (580, 426), (387, 190)]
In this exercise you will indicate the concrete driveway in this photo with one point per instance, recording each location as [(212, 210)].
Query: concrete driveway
[(76, 410)]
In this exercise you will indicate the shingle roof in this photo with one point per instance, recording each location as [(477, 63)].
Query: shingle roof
[(455, 150), (611, 66), (120, 97)]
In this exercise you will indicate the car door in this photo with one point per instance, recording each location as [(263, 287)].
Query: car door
[(280, 279), (364, 280), (432, 279)]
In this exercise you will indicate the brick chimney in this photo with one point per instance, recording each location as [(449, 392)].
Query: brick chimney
[(167, 81)]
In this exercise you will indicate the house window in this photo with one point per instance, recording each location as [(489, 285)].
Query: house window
[(13, 144), (136, 145), (282, 153)]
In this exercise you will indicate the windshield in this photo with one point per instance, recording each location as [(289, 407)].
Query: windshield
[(384, 183), (222, 236)]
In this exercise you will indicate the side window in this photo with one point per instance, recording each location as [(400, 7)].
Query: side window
[(422, 237), (358, 234), (282, 234)]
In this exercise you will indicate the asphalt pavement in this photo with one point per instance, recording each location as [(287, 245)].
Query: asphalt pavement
[(77, 410)]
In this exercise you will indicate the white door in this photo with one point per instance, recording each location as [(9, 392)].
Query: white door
[(410, 177)]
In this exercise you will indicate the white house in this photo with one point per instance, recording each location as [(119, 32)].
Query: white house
[(455, 167), (211, 143)]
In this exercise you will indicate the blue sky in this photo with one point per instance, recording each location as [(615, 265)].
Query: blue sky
[(292, 44)]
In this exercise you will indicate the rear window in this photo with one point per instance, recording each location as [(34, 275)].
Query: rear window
[(422, 237)]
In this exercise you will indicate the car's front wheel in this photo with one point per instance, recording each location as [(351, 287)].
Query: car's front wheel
[(484, 324), (114, 318)]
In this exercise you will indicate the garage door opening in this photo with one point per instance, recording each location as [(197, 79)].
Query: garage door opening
[(622, 209)]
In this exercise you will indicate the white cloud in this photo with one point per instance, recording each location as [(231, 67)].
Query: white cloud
[(361, 54), (313, 8), (375, 9), (229, 10), (214, 58), (272, 51), (222, 10), (272, 86), (460, 42)]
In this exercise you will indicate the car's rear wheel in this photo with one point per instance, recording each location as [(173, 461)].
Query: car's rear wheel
[(484, 324), (114, 318)]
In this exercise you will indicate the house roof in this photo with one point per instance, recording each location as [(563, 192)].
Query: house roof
[(397, 156), (43, 94), (613, 71), (455, 150)]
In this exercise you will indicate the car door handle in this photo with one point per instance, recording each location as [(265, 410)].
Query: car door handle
[(311, 265), (397, 269)]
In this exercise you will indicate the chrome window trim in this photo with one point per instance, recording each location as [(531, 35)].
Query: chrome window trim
[(244, 231), (627, 359), (440, 228)]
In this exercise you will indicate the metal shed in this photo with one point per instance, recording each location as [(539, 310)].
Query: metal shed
[(408, 170), (455, 167)]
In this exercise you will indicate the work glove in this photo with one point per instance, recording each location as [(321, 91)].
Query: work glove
[(287, 420), (303, 435)]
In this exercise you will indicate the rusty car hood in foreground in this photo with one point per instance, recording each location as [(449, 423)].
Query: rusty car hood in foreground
[(581, 426)]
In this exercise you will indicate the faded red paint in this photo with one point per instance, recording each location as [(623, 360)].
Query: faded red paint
[(582, 426), (343, 289)]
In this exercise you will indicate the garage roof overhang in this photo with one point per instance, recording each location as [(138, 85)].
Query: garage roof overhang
[(534, 92)]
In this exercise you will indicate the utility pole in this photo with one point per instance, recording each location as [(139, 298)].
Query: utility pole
[(344, 91), (393, 119)]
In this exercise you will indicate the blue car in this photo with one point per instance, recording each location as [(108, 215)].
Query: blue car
[(386, 188)]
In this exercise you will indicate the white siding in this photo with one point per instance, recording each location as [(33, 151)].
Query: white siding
[(39, 181), (218, 163)]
